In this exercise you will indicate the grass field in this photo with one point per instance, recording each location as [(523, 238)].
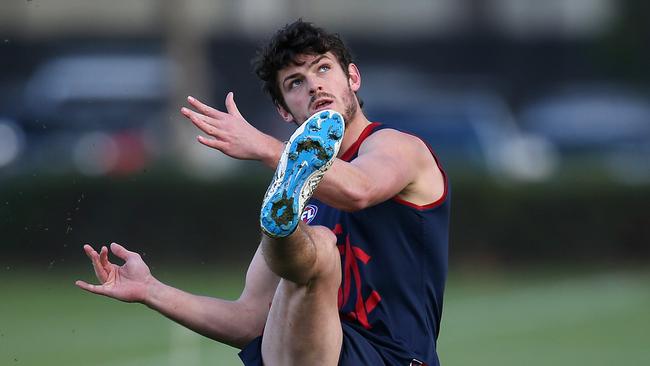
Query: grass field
[(490, 318)]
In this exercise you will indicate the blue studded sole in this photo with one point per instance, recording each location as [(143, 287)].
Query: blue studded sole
[(309, 153)]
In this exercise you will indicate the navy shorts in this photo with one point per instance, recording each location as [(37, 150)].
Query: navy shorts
[(355, 351)]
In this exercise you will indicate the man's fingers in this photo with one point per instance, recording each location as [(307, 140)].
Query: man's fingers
[(90, 252), (213, 143), (201, 122), (103, 257), (204, 108), (203, 126), (100, 271), (95, 289), (121, 252), (231, 106), (201, 117)]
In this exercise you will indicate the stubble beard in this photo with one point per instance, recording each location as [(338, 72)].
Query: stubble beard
[(350, 108)]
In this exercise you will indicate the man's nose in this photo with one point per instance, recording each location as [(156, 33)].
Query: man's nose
[(314, 87)]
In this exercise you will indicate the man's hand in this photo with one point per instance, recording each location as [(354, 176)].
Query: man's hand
[(126, 283), (231, 134)]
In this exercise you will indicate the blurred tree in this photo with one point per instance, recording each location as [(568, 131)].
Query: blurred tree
[(186, 46), (625, 49)]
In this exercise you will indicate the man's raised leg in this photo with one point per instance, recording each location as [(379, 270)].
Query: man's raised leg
[(303, 326)]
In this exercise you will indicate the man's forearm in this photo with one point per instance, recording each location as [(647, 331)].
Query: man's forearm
[(273, 151), (229, 322), (345, 192), (345, 187)]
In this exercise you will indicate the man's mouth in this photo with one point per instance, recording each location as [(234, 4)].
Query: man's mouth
[(321, 104)]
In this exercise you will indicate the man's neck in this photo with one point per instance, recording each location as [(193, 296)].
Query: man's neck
[(353, 130)]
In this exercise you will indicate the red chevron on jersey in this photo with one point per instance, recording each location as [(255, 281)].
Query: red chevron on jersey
[(351, 256)]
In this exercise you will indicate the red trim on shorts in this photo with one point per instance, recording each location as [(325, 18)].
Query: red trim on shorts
[(347, 155)]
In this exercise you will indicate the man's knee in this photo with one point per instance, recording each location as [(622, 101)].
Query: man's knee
[(325, 274), (307, 255)]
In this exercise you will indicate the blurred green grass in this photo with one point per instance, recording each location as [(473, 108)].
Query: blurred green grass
[(490, 318)]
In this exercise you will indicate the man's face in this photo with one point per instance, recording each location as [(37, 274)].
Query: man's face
[(315, 83)]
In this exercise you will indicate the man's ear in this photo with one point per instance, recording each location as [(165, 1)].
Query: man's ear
[(355, 77), (288, 117)]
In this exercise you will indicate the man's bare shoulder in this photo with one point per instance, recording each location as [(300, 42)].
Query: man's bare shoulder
[(410, 156), (389, 139)]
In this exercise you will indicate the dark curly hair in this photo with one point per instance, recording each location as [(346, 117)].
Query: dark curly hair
[(297, 38)]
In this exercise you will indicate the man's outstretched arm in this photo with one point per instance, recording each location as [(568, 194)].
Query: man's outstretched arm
[(389, 162), (231, 322)]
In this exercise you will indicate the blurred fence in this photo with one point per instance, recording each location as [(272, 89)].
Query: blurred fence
[(45, 222)]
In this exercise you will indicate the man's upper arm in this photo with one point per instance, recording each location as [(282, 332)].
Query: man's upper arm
[(390, 161)]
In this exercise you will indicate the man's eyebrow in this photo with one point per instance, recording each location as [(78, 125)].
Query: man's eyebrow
[(318, 60), (290, 77), (310, 64)]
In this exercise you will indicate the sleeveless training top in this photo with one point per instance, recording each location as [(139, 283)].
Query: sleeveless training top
[(394, 266)]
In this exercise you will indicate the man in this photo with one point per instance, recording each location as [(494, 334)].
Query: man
[(362, 284)]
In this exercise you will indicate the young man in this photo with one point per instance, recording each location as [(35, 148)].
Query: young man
[(359, 280)]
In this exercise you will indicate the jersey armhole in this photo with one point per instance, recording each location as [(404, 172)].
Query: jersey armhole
[(440, 199)]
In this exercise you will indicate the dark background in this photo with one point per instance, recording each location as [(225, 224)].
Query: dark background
[(579, 209), (538, 110)]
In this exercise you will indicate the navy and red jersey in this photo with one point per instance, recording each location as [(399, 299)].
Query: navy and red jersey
[(394, 266)]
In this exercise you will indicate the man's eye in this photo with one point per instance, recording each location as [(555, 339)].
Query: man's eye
[(324, 68), (295, 83)]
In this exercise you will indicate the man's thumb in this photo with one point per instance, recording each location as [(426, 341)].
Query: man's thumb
[(231, 106)]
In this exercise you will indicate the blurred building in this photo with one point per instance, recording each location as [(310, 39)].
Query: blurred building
[(515, 51), (423, 18)]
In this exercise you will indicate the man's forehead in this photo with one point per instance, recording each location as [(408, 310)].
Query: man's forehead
[(304, 59), (309, 57)]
